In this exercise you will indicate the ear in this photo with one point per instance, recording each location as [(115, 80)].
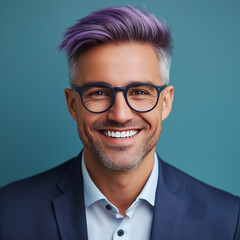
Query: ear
[(71, 102), (168, 93)]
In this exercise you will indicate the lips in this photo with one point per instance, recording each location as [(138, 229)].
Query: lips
[(120, 134)]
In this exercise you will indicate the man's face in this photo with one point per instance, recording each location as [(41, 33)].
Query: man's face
[(119, 65)]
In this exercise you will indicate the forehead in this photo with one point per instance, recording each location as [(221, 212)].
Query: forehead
[(119, 64)]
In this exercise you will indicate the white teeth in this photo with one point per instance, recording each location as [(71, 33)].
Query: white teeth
[(123, 134), (118, 134)]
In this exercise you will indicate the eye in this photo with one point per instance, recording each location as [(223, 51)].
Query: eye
[(139, 92), (95, 92), (98, 93)]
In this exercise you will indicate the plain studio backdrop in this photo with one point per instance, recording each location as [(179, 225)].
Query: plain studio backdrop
[(201, 136)]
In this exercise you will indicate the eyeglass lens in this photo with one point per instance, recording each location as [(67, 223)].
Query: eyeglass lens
[(99, 98)]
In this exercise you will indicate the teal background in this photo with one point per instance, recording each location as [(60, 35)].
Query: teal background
[(201, 136)]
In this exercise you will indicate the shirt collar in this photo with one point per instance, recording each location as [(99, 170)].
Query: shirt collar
[(92, 194), (149, 191)]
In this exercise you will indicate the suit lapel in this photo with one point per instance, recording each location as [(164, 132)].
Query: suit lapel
[(70, 208), (168, 207), (70, 213)]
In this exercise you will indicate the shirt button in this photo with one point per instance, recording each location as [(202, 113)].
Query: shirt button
[(108, 207), (120, 233)]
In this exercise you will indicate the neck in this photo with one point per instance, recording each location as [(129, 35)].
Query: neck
[(121, 188)]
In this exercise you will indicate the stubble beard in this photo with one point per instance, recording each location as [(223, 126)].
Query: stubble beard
[(122, 160)]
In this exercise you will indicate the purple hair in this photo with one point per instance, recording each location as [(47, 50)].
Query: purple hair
[(117, 24)]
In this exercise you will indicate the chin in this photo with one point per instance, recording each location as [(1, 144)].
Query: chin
[(121, 161)]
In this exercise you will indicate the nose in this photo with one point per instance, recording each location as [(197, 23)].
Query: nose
[(120, 111)]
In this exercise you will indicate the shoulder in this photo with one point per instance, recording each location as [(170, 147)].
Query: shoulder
[(39, 186), (192, 189), (29, 202), (207, 205), (205, 210)]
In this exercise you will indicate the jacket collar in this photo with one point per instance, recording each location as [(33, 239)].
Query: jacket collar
[(168, 207), (70, 207)]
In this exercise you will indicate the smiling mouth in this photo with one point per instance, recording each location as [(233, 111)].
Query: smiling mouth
[(120, 134)]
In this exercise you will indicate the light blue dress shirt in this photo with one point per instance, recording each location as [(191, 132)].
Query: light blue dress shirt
[(104, 222)]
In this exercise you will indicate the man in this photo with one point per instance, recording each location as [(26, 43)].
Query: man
[(117, 188)]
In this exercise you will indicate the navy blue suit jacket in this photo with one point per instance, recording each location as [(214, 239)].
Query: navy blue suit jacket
[(50, 206)]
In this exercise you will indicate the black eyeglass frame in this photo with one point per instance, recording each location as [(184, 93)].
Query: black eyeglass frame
[(117, 89)]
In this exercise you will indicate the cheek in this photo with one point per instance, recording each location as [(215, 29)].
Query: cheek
[(157, 116), (82, 122), (153, 119), (84, 132), (86, 120), (156, 125)]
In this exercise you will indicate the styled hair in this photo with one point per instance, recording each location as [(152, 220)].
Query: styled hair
[(118, 24)]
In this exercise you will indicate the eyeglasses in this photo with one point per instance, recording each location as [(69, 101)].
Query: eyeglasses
[(100, 97)]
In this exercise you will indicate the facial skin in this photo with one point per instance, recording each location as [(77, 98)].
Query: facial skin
[(119, 65)]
